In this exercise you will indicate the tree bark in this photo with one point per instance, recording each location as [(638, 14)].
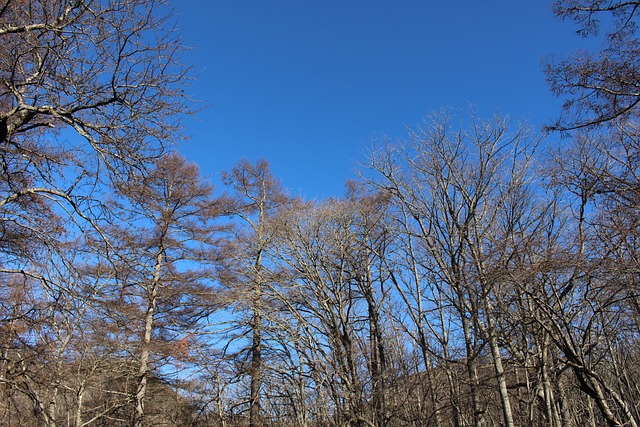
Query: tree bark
[(143, 371)]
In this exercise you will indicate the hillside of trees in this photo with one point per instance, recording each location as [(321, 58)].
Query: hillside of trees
[(478, 273)]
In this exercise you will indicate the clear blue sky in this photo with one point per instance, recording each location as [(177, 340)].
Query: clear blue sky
[(308, 85)]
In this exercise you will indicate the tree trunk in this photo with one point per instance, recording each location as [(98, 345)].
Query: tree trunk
[(497, 363), (502, 381), (472, 372), (79, 405), (255, 371), (143, 371), (553, 418)]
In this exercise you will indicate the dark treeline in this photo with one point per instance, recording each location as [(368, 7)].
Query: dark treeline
[(478, 273)]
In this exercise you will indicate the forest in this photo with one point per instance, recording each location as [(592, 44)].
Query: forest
[(478, 272)]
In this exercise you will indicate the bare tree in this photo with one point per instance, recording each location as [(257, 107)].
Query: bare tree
[(257, 197), (106, 69), (336, 298), (456, 193), (599, 87), (591, 285), (163, 241), (88, 91)]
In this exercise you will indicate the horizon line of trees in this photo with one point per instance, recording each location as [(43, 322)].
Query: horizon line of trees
[(476, 274)]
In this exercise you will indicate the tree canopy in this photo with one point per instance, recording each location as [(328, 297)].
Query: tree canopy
[(476, 274)]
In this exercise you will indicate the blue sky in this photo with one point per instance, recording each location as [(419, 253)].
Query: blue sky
[(308, 85)]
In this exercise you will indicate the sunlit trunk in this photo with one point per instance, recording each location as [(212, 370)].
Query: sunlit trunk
[(143, 371)]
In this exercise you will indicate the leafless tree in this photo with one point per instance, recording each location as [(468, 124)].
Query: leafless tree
[(335, 294), (89, 90), (457, 194), (257, 196), (90, 93), (599, 87), (163, 241), (589, 306)]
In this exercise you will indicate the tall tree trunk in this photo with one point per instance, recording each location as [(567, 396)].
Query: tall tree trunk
[(472, 371), (491, 328), (502, 381), (52, 406), (376, 350), (143, 370), (255, 371), (551, 408), (79, 405)]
